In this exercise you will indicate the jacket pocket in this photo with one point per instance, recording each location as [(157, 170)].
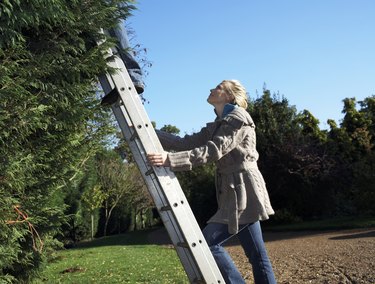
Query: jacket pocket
[(241, 196), (237, 184)]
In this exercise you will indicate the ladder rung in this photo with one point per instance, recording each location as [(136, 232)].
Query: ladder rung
[(166, 208), (149, 172), (134, 136), (110, 98), (183, 244), (200, 281)]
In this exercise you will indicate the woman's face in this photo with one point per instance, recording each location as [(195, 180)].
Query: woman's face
[(218, 96)]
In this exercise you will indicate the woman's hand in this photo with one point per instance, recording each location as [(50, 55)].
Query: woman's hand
[(158, 159)]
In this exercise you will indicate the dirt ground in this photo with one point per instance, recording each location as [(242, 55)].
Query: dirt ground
[(346, 256)]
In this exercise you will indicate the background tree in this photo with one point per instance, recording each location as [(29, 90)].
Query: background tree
[(365, 173), (170, 129), (351, 146), (92, 196), (278, 136), (94, 199), (121, 185), (310, 128), (139, 201), (113, 177), (368, 109), (199, 188), (292, 159)]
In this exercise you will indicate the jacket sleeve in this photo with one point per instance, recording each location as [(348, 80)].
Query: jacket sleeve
[(226, 137), (176, 143)]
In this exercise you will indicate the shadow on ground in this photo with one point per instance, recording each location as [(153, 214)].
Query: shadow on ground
[(160, 236), (357, 235)]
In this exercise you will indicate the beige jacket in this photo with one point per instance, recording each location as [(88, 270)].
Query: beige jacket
[(230, 142)]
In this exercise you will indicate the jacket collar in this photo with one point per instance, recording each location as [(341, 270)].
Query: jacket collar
[(228, 108), (238, 113)]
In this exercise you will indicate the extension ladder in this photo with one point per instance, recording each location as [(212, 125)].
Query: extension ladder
[(163, 186)]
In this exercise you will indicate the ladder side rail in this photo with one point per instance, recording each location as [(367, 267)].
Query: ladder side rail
[(174, 193), (160, 202), (170, 184)]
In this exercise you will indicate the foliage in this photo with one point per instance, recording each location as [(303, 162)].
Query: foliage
[(352, 145), (92, 196), (305, 166), (170, 129), (120, 184), (136, 210), (50, 122), (199, 188), (122, 191)]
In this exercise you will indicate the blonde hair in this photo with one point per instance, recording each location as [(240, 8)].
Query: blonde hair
[(238, 92)]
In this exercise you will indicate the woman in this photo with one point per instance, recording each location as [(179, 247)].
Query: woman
[(241, 193)]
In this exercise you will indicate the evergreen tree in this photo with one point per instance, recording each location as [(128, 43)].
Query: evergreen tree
[(50, 122), (310, 127), (351, 146), (170, 129), (368, 109), (357, 125)]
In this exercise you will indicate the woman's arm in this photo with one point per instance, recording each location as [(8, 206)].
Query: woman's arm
[(226, 138), (177, 143)]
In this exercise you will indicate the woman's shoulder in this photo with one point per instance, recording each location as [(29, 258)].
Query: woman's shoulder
[(239, 116)]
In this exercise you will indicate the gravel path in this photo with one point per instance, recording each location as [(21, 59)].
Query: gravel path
[(346, 256), (318, 257)]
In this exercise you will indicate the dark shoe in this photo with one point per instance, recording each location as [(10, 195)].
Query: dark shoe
[(139, 89)]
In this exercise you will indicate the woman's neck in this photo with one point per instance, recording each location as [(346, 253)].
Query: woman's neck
[(219, 109)]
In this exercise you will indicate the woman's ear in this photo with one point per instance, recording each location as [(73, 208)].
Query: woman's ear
[(231, 99)]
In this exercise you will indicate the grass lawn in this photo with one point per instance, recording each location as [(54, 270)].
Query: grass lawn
[(129, 258), (117, 259)]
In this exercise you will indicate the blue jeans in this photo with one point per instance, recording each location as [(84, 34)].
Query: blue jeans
[(251, 240), (127, 55)]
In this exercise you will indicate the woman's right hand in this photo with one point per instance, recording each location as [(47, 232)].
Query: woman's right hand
[(158, 159)]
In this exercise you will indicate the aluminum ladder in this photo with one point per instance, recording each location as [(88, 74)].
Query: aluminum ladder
[(162, 184)]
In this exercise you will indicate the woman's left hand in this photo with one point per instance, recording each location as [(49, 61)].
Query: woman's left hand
[(158, 159)]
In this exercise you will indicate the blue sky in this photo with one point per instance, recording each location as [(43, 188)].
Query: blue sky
[(314, 52)]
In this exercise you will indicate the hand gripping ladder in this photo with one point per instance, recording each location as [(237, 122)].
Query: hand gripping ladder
[(162, 184)]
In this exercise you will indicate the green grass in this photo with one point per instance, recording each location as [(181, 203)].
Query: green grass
[(328, 224), (129, 258), (117, 259)]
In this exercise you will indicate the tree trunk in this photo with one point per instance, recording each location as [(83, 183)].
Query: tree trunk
[(108, 215), (92, 225), (133, 221)]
